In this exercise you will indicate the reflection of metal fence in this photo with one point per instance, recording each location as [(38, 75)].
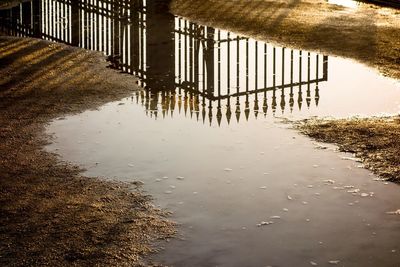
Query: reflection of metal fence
[(182, 64)]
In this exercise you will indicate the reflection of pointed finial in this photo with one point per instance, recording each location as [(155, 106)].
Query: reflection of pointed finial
[(300, 100), (317, 96), (228, 114), (283, 103), (210, 114), (203, 113), (256, 108), (179, 103), (237, 112), (219, 116), (265, 106), (291, 102), (273, 104)]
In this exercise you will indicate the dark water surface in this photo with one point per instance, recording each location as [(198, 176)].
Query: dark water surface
[(206, 137)]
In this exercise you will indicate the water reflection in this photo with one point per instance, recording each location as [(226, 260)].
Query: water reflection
[(183, 67)]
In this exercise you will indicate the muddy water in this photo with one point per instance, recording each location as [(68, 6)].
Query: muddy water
[(207, 138)]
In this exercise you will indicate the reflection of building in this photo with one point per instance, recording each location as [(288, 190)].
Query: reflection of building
[(183, 66)]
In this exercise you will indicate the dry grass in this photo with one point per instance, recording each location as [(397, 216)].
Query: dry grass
[(49, 214), (375, 140)]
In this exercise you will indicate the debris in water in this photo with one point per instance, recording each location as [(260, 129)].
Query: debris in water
[(313, 263), (329, 181), (165, 177), (348, 186), (385, 183), (352, 159), (262, 153), (397, 212), (244, 228), (310, 186), (304, 202), (158, 180), (317, 194), (354, 191), (120, 104), (338, 187), (308, 220), (315, 166), (172, 186), (334, 262), (227, 169), (393, 251), (275, 217), (195, 193), (289, 197), (285, 209), (131, 165), (266, 173), (168, 192), (263, 187), (264, 223), (351, 204), (364, 195), (379, 179), (180, 177)]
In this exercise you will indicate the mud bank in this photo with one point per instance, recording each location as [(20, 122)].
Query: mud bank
[(376, 141), (49, 213), (365, 32)]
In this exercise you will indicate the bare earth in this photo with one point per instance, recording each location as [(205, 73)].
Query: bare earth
[(50, 215), (376, 141), (369, 34)]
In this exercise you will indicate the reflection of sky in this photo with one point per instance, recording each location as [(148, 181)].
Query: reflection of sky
[(345, 3)]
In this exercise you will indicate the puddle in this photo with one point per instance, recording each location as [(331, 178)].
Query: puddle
[(206, 139)]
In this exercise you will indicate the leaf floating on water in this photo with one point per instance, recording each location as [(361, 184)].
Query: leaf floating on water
[(289, 197), (264, 223), (158, 180), (266, 173), (334, 262), (131, 165), (228, 169), (308, 220), (165, 177), (396, 212), (315, 166), (305, 202), (313, 263), (285, 209), (364, 195), (348, 186), (317, 194), (180, 177), (195, 193), (172, 186), (329, 181), (263, 187)]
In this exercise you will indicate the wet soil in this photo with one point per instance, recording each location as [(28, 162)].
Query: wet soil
[(376, 141), (366, 33), (49, 213)]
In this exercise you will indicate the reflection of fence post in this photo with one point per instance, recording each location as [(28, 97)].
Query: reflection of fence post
[(209, 60), (160, 46), (325, 68), (36, 18), (75, 23)]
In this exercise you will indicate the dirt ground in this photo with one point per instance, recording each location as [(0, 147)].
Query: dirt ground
[(376, 141), (50, 215), (368, 33)]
